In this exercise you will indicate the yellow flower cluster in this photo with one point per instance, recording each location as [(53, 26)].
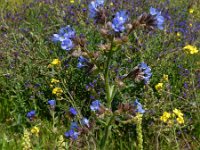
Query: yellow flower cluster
[(159, 86), (35, 130), (176, 113), (178, 34), (191, 11), (190, 49), (54, 81), (56, 62), (57, 91), (179, 115), (71, 1), (165, 78), (26, 141), (165, 117)]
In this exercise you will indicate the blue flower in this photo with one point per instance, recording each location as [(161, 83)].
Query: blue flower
[(119, 20), (82, 62), (95, 105), (146, 72), (71, 134), (85, 121), (67, 44), (159, 18), (31, 114), (82, 59), (52, 102), (73, 111), (66, 32), (56, 38), (139, 107), (94, 8), (74, 125)]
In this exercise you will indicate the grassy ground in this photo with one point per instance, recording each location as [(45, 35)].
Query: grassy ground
[(27, 50)]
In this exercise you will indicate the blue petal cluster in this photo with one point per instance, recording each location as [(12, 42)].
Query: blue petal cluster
[(85, 122), (72, 111), (139, 107), (65, 36), (74, 125), (95, 106), (146, 72), (31, 114), (52, 103), (72, 134), (159, 18), (82, 62), (94, 8), (119, 20)]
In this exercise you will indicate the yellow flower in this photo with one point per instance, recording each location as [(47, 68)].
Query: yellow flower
[(165, 116), (190, 24), (180, 120), (54, 80), (57, 91), (190, 49), (72, 1), (111, 4), (56, 62), (35, 130), (165, 77), (159, 86), (178, 112), (191, 11), (178, 34)]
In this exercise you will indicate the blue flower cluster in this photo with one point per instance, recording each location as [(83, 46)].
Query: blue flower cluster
[(74, 125), (52, 103), (65, 36), (94, 7), (119, 20), (82, 62), (72, 133), (146, 71), (72, 111), (139, 107), (31, 114), (95, 106), (159, 18), (85, 122)]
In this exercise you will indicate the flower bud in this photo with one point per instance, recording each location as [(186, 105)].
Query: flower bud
[(104, 32), (124, 38), (104, 47), (129, 26)]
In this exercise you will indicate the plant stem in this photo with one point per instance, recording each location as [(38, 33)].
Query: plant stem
[(107, 133), (177, 145), (53, 118), (107, 79)]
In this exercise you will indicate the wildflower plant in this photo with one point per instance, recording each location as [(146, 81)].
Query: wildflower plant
[(115, 33)]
